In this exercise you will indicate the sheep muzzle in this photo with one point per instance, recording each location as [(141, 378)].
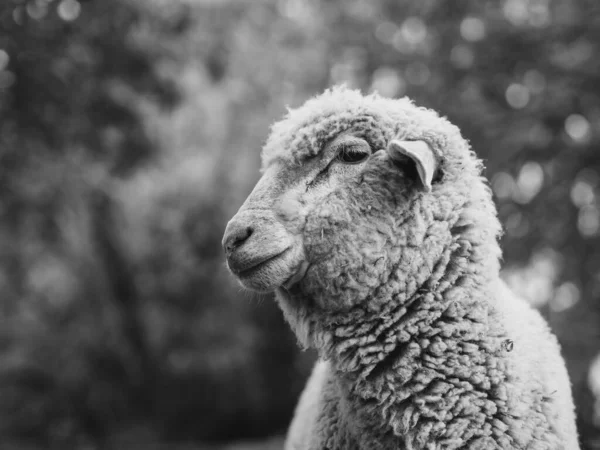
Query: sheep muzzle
[(260, 252)]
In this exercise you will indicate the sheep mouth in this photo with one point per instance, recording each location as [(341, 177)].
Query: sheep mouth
[(281, 270), (257, 266)]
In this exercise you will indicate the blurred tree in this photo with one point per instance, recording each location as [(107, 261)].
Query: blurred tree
[(73, 80), (130, 131), (115, 300)]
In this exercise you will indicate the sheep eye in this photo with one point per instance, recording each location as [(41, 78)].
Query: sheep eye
[(352, 155)]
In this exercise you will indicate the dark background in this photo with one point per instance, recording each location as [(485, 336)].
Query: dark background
[(130, 132)]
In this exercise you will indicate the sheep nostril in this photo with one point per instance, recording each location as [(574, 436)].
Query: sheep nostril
[(236, 238)]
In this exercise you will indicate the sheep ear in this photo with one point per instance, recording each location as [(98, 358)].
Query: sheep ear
[(420, 153)]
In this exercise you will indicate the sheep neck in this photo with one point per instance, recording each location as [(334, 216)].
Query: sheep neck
[(453, 302), (395, 363)]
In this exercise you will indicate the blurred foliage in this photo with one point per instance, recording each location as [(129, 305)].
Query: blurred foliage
[(130, 133), (116, 309)]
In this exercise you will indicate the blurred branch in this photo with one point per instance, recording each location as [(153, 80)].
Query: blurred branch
[(125, 296)]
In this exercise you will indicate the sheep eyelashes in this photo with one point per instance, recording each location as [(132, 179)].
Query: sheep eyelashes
[(395, 282)]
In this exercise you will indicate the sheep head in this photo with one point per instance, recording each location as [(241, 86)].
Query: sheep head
[(354, 190)]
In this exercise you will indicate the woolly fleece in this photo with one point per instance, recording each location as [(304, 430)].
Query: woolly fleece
[(421, 345)]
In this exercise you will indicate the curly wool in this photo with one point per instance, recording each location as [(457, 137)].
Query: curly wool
[(422, 345)]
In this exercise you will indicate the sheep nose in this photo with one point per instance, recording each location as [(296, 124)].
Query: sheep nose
[(235, 235)]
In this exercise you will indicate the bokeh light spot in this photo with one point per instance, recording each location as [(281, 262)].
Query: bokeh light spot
[(539, 14), (4, 60), (517, 225), (515, 11), (388, 82), (37, 9), (535, 13), (472, 29), (578, 128), (588, 221), (362, 10), (594, 383), (17, 15), (400, 44), (69, 10), (535, 81), (343, 72), (565, 297), (414, 30), (503, 185), (535, 280), (529, 182), (517, 96), (582, 193)]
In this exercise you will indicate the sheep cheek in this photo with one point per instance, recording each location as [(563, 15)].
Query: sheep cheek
[(290, 211), (335, 254)]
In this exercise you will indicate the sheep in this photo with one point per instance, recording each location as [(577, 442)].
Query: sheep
[(378, 234)]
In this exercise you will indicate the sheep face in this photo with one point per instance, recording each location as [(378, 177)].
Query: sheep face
[(336, 214), (286, 224)]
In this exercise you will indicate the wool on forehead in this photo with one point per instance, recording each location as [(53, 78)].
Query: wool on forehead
[(304, 131)]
